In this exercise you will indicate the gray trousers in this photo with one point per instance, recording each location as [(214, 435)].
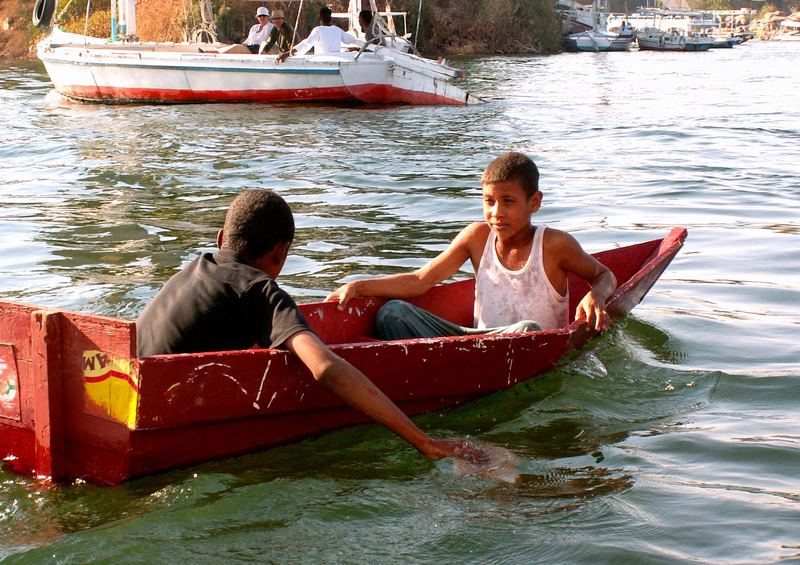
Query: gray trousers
[(398, 319)]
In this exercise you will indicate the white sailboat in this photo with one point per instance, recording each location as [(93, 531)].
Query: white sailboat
[(598, 38), (119, 71)]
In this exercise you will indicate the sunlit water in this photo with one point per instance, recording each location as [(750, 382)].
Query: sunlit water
[(674, 438)]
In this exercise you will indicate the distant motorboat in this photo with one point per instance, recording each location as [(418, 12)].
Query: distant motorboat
[(690, 23), (725, 42), (594, 40), (654, 39)]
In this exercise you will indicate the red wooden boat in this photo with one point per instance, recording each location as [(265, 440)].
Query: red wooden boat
[(76, 402)]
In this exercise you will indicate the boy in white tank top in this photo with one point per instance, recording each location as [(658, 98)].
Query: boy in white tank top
[(521, 269)]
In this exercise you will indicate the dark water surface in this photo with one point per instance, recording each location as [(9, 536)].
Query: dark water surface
[(675, 438)]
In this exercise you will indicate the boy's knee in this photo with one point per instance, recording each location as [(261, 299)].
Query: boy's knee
[(391, 321), (523, 326), (392, 310)]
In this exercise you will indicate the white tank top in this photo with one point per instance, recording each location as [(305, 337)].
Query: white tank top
[(504, 297)]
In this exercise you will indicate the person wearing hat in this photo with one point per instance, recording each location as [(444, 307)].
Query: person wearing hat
[(281, 33), (260, 31)]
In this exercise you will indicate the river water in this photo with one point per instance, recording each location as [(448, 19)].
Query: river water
[(675, 438)]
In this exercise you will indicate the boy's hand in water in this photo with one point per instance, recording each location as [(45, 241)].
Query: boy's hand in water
[(490, 461), (458, 448)]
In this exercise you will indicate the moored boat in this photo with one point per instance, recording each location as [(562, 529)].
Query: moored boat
[(653, 39), (595, 37), (724, 42), (77, 403), (97, 70), (597, 41)]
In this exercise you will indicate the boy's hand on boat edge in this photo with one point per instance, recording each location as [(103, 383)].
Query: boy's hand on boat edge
[(343, 295), (594, 312)]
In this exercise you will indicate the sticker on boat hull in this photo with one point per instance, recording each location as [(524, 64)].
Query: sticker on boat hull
[(9, 384), (112, 387)]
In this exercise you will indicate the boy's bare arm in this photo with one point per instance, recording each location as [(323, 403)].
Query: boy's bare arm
[(573, 259), (407, 285), (352, 386)]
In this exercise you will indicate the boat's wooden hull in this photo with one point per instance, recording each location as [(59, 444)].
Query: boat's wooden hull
[(76, 402)]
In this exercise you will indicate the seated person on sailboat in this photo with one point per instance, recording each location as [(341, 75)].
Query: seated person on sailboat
[(326, 38), (521, 269), (281, 34), (229, 300), (260, 31), (369, 28)]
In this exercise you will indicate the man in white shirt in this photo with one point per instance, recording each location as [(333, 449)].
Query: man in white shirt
[(260, 31), (326, 38)]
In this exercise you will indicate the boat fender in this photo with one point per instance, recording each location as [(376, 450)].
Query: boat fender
[(43, 12), (682, 41), (661, 40)]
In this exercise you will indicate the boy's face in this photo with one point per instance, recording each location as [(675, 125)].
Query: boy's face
[(507, 208)]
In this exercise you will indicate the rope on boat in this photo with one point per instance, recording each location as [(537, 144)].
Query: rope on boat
[(64, 10), (296, 23), (86, 24), (419, 17)]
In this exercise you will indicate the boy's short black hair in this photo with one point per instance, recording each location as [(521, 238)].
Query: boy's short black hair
[(257, 221), (325, 15), (366, 15), (513, 166)]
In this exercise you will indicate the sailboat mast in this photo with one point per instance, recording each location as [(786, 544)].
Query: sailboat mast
[(113, 20), (419, 17)]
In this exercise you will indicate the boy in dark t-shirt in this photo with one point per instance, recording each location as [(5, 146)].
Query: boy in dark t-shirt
[(229, 300)]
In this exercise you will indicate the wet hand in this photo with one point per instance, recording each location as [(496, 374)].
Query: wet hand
[(489, 461), (472, 453), (458, 448)]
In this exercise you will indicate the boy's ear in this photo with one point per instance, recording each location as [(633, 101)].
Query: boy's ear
[(536, 201), (282, 251), (220, 236)]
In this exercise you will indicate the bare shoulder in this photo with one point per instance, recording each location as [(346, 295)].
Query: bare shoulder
[(563, 252), (468, 244), (477, 231), (473, 237), (558, 241)]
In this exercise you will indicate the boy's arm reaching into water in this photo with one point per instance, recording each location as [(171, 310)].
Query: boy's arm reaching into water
[(352, 386), (565, 255), (468, 244)]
